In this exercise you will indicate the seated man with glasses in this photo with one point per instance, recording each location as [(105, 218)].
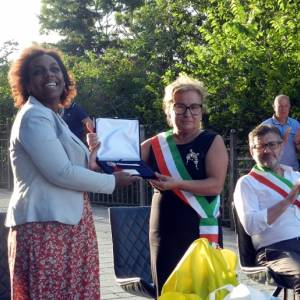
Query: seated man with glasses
[(268, 205)]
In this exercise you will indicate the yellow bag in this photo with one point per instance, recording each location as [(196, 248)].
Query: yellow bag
[(201, 270)]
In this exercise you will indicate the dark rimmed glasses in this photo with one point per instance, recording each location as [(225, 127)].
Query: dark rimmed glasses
[(271, 145), (180, 108)]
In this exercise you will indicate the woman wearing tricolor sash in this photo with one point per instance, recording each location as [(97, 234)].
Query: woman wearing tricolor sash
[(267, 202), (191, 165)]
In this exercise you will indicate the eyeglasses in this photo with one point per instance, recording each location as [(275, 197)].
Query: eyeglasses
[(180, 108), (271, 145)]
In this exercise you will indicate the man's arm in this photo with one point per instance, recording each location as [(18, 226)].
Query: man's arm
[(254, 218), (278, 209), (246, 201)]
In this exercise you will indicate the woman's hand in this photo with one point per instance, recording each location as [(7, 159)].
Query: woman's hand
[(92, 141), (91, 137), (92, 158), (164, 183), (94, 145), (124, 179)]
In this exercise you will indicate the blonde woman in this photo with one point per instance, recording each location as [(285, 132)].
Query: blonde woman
[(192, 165)]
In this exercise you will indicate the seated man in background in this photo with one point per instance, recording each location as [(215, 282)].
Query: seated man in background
[(78, 121), (268, 208)]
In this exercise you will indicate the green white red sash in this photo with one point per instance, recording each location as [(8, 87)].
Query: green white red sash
[(170, 163), (274, 181)]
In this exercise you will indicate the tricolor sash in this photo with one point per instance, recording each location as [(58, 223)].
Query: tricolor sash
[(170, 163), (274, 181)]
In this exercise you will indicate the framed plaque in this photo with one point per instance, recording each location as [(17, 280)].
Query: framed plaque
[(120, 147)]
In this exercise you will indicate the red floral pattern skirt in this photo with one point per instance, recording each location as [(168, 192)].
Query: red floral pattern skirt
[(51, 260)]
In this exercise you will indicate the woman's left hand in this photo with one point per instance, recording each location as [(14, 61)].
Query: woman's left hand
[(92, 158), (92, 141), (164, 183)]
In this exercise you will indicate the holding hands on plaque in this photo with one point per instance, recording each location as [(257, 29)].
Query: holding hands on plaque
[(164, 183), (123, 178)]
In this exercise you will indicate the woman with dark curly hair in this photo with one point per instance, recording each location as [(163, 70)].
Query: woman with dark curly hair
[(53, 252)]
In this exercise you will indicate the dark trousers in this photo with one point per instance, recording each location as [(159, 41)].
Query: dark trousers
[(284, 259)]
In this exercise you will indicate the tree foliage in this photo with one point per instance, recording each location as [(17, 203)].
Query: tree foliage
[(251, 53), (113, 86), (147, 38), (6, 104), (122, 53), (83, 25)]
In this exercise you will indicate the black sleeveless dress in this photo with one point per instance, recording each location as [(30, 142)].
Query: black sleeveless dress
[(173, 224)]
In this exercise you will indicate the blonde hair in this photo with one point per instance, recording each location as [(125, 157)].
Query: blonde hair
[(183, 83)]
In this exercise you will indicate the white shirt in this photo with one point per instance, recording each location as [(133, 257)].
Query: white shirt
[(252, 199)]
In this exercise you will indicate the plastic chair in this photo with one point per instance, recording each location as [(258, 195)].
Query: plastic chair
[(131, 253), (247, 255)]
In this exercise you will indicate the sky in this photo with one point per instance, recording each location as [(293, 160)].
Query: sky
[(19, 21)]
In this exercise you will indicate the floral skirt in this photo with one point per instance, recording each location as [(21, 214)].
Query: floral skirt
[(51, 260)]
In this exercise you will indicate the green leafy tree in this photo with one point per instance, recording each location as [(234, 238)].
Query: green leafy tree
[(251, 53), (6, 104), (82, 25), (245, 51), (155, 36), (146, 39), (113, 86)]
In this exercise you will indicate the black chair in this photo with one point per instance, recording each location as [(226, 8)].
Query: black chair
[(4, 270), (131, 254), (247, 255)]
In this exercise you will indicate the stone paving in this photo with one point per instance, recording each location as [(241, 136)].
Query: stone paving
[(109, 290)]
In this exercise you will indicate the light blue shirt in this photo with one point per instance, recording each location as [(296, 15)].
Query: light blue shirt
[(289, 155)]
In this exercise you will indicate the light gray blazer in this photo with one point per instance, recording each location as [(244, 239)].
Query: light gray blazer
[(49, 165)]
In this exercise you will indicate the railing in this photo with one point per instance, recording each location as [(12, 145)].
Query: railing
[(140, 193), (240, 163), (5, 170)]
